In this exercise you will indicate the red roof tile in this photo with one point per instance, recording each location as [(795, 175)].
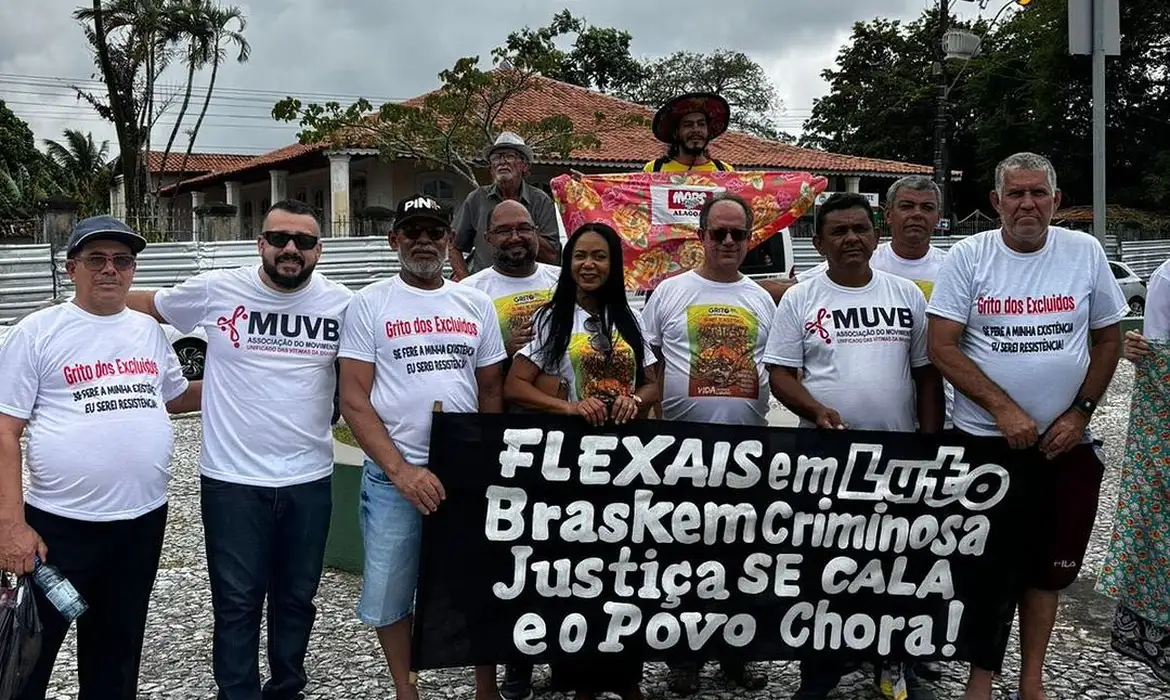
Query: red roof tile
[(622, 145), (197, 163)]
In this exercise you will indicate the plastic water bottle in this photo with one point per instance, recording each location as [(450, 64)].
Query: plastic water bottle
[(59, 591)]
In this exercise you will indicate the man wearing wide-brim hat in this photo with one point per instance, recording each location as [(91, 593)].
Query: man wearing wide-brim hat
[(688, 124), (509, 160)]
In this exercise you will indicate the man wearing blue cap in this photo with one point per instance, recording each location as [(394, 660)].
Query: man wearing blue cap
[(94, 382)]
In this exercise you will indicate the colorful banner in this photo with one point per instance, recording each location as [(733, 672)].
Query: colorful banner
[(671, 541), (657, 214)]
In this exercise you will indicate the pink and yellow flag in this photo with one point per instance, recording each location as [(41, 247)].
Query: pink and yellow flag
[(657, 214)]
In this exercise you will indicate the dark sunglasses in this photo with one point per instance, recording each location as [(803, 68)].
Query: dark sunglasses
[(413, 233), (279, 239), (97, 263), (597, 340), (739, 235)]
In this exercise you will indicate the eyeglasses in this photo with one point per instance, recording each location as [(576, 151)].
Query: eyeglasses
[(279, 239), (413, 233), (738, 235), (97, 263), (498, 158), (598, 340), (508, 231)]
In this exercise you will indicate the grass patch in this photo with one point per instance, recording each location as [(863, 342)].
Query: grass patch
[(342, 433)]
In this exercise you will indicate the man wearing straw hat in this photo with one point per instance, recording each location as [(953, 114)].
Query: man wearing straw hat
[(688, 124)]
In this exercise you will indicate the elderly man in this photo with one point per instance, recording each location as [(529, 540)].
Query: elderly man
[(391, 377), (688, 124), (509, 159), (266, 462), (690, 320), (877, 381), (93, 381), (1024, 321)]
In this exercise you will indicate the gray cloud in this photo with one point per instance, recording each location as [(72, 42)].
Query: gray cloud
[(391, 50)]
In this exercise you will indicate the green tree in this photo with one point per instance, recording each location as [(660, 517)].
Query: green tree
[(82, 164), (599, 58), (25, 174), (451, 126), (754, 103)]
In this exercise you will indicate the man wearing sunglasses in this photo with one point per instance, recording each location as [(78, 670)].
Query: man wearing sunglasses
[(94, 382), (411, 341), (708, 327), (266, 463), (509, 159)]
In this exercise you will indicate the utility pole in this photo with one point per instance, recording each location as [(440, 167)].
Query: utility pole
[(1099, 120), (942, 175)]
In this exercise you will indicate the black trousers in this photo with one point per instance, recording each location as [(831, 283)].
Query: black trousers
[(112, 565), (263, 543)]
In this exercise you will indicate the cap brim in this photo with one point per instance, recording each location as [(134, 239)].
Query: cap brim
[(134, 241), (715, 107), (421, 215)]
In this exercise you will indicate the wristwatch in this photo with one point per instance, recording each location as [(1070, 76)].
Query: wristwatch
[(1085, 405)]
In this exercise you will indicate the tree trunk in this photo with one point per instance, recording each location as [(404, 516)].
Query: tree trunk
[(123, 121), (179, 118), (199, 121)]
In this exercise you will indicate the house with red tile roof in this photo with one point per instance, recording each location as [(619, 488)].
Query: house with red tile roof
[(172, 169), (342, 182)]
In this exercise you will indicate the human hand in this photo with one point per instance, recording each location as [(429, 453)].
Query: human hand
[(420, 486), (1064, 434), (519, 338), (1135, 347), (625, 409), (591, 409), (1017, 426), (829, 419), (18, 544), (576, 174)]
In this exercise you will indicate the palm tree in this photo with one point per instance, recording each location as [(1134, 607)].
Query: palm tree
[(191, 18), (84, 166), (219, 20)]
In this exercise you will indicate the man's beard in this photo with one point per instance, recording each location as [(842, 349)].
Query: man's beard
[(425, 269), (690, 151), (511, 262), (285, 281)]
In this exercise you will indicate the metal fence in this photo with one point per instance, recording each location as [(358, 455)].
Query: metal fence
[(27, 280), (1143, 257)]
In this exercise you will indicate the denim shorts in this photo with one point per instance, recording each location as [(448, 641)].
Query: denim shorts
[(391, 530)]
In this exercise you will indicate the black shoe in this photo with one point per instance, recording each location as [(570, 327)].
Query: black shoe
[(517, 683), (744, 675), (928, 670), (683, 681)]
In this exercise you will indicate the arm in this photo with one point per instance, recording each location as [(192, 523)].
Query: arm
[(1105, 352), (356, 383), (550, 234), (18, 541), (931, 402), (661, 377), (520, 389), (548, 252), (189, 401), (143, 302), (463, 228), (788, 390), (458, 267), (490, 381)]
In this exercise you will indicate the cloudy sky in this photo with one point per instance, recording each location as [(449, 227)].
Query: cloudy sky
[(383, 50)]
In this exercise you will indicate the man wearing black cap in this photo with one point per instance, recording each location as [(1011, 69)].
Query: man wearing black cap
[(408, 342), (94, 381), (688, 124)]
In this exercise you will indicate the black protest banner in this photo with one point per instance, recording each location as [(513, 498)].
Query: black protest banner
[(665, 541)]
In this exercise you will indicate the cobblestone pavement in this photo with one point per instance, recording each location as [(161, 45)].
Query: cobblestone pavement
[(345, 661)]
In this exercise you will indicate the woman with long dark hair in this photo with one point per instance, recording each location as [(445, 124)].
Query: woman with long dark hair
[(588, 340)]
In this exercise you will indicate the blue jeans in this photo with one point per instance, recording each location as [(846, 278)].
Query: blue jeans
[(391, 534), (263, 542)]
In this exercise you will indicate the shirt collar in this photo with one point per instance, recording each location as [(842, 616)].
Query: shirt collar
[(493, 191)]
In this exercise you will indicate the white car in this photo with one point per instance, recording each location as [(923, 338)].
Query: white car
[(1132, 287)]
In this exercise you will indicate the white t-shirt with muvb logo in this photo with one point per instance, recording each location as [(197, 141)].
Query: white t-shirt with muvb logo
[(269, 378), (425, 345), (856, 346), (94, 391), (1027, 318)]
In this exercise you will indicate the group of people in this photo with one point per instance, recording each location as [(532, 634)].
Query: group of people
[(875, 340)]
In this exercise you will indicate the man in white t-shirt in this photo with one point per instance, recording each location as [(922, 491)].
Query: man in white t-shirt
[(93, 382), (1024, 321), (708, 328), (266, 461), (409, 342), (859, 335)]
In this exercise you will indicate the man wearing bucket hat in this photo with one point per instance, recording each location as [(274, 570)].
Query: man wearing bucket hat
[(93, 382), (509, 159), (688, 124)]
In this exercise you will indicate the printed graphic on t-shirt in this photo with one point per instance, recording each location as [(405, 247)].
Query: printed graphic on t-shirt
[(428, 354), (122, 387), (600, 375), (722, 341), (515, 310), (280, 333), (926, 286), (1027, 337), (862, 324)]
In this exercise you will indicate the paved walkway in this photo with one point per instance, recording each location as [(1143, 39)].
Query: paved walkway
[(346, 663)]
